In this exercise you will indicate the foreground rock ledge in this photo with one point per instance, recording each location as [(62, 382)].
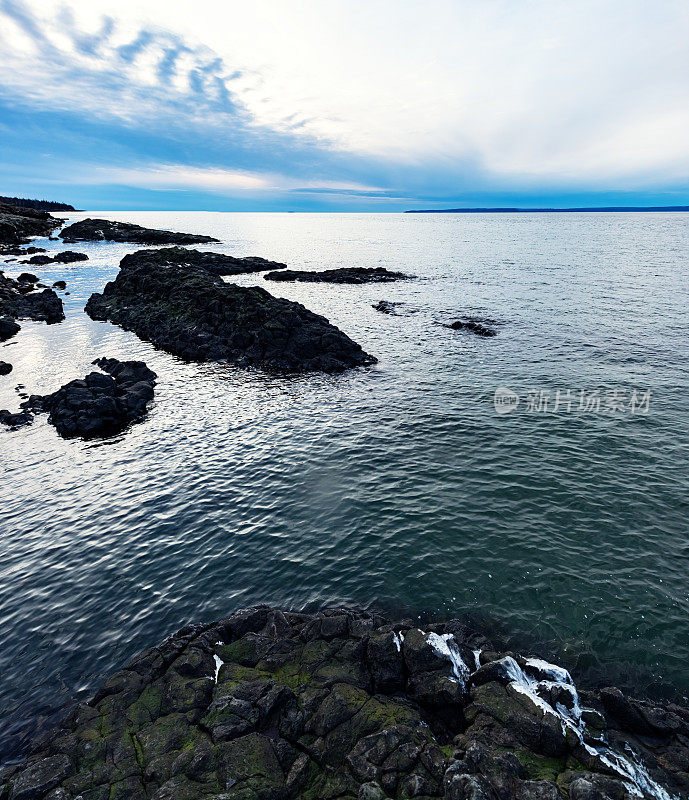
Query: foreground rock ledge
[(272, 705), (187, 311), (98, 230)]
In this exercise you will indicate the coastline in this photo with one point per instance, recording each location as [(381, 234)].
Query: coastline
[(373, 615)]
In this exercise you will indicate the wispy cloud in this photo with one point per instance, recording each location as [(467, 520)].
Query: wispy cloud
[(387, 99)]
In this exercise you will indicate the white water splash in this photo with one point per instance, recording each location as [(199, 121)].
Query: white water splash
[(477, 658), (218, 663), (398, 638), (446, 647), (551, 676)]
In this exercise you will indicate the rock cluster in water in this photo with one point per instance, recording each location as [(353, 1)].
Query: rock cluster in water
[(214, 263), (20, 299), (271, 705), (191, 313), (65, 257), (342, 275), (98, 405), (98, 230)]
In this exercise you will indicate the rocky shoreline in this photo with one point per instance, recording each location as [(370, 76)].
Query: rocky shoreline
[(19, 224), (346, 704)]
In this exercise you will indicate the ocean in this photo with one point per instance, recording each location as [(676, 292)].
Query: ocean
[(553, 513)]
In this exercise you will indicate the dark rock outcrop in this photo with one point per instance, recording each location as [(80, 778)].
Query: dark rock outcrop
[(273, 705), (13, 421), (8, 327), (61, 285), (214, 263), (342, 275), (98, 230), (98, 405), (5, 368), (19, 299), (18, 225), (479, 327), (196, 315), (66, 257), (39, 260)]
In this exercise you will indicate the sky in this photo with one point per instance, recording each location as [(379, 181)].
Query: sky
[(344, 105)]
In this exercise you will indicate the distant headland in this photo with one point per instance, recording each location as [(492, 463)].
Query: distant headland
[(542, 210), (40, 205)]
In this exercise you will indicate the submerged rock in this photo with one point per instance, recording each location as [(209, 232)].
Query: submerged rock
[(193, 314), (395, 309), (98, 405), (343, 704), (342, 275), (473, 326), (215, 263), (98, 230), (5, 368)]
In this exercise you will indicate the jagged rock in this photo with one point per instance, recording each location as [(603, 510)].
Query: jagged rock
[(342, 275), (275, 705), (5, 368), (473, 326), (193, 314), (97, 230), (8, 327), (215, 263), (99, 404)]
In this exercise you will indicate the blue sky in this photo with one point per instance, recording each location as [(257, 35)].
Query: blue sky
[(349, 105)]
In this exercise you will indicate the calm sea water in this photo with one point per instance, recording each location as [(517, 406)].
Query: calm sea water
[(396, 486)]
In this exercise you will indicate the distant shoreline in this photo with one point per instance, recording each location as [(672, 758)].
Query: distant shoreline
[(628, 209)]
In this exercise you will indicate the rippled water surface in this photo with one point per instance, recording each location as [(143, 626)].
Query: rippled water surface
[(396, 486)]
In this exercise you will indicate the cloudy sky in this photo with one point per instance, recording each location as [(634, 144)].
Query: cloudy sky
[(365, 105)]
